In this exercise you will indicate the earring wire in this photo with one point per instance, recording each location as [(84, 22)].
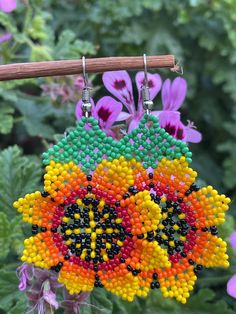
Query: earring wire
[(145, 70), (85, 76), (86, 105), (147, 102)]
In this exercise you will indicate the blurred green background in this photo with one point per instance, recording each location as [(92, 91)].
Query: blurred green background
[(202, 35)]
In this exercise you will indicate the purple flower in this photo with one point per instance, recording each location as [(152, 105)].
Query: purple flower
[(7, 5), (63, 89), (231, 286), (5, 37), (79, 82), (106, 112), (233, 240), (119, 84), (41, 291), (42, 299), (55, 90), (25, 273), (72, 303), (173, 95)]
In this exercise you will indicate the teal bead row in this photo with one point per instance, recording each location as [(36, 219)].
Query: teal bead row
[(87, 147)]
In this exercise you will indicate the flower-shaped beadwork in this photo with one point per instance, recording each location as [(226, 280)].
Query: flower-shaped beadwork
[(126, 216)]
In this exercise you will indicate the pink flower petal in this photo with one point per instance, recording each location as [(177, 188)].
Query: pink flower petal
[(119, 84), (5, 37), (170, 121), (178, 92), (108, 110), (25, 273), (231, 286), (79, 82), (173, 95), (165, 94), (156, 113), (134, 123), (7, 5), (154, 84), (233, 240), (79, 112), (48, 295), (192, 135), (123, 116), (110, 133)]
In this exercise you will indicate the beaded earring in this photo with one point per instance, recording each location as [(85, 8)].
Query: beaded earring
[(124, 215)]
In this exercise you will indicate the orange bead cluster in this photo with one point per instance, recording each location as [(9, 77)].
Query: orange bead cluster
[(125, 228)]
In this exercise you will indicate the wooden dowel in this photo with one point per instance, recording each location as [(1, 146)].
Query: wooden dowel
[(69, 67)]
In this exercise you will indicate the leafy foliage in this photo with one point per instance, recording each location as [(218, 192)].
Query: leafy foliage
[(6, 119), (10, 298), (4, 235), (202, 302), (202, 36), (18, 176), (97, 303)]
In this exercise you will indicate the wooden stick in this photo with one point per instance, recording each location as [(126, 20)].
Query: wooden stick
[(69, 67)]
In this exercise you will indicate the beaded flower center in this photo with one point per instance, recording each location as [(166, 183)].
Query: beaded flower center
[(92, 230), (176, 226)]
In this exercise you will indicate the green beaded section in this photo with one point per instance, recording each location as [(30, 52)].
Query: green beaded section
[(87, 147), (149, 143)]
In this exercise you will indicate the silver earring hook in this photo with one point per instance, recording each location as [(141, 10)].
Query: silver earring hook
[(147, 102), (145, 69), (86, 104), (85, 76)]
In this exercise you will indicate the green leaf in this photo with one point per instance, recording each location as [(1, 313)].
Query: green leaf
[(98, 303), (8, 89), (68, 46), (227, 227), (5, 232), (156, 303), (37, 29), (6, 20), (124, 307), (34, 116), (17, 235), (19, 175), (213, 278), (203, 302), (40, 52), (19, 307), (9, 293), (6, 119)]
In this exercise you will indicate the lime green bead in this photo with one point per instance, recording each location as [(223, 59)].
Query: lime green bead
[(128, 156), (46, 161), (127, 150), (178, 155), (45, 155), (82, 155)]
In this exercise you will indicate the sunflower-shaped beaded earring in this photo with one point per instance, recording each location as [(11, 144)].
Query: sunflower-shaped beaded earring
[(124, 215)]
